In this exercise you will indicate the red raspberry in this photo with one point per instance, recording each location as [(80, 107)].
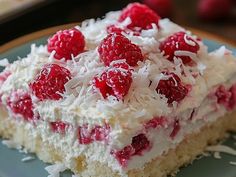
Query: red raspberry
[(117, 47), (141, 16), (214, 9), (176, 128), (20, 103), (232, 101), (98, 133), (124, 155), (156, 122), (84, 135), (162, 7), (121, 65), (179, 41), (138, 145), (114, 29), (172, 88), (66, 43), (49, 83), (192, 114), (223, 95), (114, 81), (118, 30), (59, 127)]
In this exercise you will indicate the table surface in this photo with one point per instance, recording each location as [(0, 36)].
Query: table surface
[(61, 12)]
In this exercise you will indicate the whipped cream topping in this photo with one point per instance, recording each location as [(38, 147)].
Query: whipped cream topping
[(81, 105)]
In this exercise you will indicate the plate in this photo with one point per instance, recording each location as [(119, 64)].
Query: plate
[(10, 159)]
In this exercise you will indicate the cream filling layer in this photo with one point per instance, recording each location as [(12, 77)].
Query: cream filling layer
[(100, 151)]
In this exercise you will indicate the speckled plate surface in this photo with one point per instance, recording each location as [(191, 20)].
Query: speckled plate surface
[(10, 159)]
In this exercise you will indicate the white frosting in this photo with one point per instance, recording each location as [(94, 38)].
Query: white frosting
[(81, 105)]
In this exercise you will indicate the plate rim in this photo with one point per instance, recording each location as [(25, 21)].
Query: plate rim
[(47, 31)]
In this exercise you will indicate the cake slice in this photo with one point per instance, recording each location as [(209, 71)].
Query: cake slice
[(128, 95)]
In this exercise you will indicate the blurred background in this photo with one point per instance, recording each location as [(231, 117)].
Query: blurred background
[(20, 17)]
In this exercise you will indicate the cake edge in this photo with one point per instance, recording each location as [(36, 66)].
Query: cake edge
[(169, 163)]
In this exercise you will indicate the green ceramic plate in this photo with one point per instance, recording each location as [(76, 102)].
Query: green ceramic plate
[(10, 160)]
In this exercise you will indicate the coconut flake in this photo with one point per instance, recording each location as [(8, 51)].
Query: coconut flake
[(51, 57), (74, 176), (55, 169), (27, 159), (23, 150), (167, 27), (217, 155), (117, 61), (150, 32), (70, 86), (220, 52), (201, 67), (157, 79), (189, 74), (186, 53), (188, 41), (124, 23), (221, 148), (4, 62), (206, 154), (232, 163)]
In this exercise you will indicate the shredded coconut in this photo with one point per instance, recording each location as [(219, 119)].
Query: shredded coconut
[(206, 154), (4, 62), (232, 163), (189, 42), (27, 159), (153, 32), (221, 148), (201, 67), (186, 53), (23, 150), (221, 51), (55, 169), (217, 155)]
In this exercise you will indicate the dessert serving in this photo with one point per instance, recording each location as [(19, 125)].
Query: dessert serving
[(127, 95)]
